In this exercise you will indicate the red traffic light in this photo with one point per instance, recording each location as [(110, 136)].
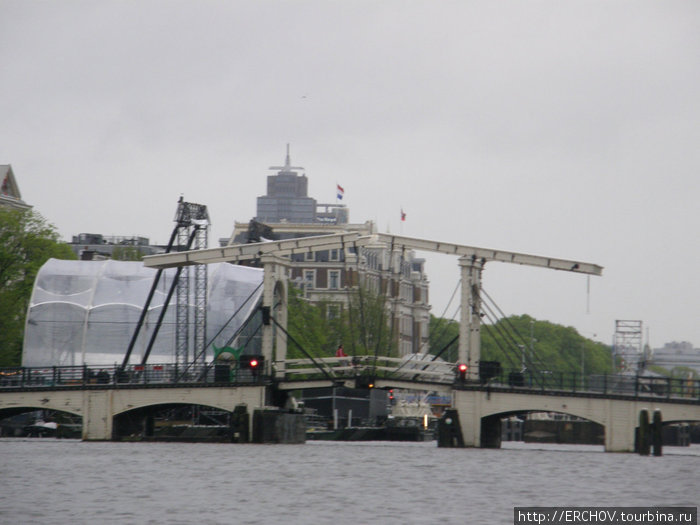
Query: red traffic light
[(462, 368), (251, 362)]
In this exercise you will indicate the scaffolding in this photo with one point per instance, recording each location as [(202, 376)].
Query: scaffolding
[(192, 223), (627, 346)]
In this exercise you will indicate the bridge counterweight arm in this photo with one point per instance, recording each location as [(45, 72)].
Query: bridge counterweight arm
[(241, 252), (488, 254)]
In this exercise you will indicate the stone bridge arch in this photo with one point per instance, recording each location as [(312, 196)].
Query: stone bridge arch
[(70, 402), (24, 404), (141, 421), (491, 424)]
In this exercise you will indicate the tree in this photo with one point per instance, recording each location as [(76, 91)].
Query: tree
[(540, 344), (27, 241), (361, 325), (309, 324), (367, 320), (442, 333)]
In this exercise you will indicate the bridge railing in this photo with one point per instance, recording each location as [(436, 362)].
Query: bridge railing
[(380, 367), (613, 384), (153, 374), (345, 367)]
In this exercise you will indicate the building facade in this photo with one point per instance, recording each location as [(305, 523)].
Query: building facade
[(98, 247), (287, 212), (10, 196), (676, 355)]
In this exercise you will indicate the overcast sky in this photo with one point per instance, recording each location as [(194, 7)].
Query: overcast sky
[(568, 129)]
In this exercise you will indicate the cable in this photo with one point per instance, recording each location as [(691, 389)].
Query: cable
[(245, 323), (493, 328), (443, 318), (316, 364), (509, 336), (514, 330)]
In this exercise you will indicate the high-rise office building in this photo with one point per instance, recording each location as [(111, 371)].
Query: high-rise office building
[(287, 200)]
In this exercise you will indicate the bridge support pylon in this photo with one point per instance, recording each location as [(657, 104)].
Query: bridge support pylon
[(275, 285), (469, 349)]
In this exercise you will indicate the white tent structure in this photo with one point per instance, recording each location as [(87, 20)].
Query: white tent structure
[(85, 312)]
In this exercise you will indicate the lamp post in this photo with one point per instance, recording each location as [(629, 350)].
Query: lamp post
[(582, 368), (522, 357)]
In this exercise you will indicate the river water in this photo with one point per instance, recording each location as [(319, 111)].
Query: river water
[(74, 482)]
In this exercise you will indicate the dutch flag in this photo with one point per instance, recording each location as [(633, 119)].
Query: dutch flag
[(341, 192)]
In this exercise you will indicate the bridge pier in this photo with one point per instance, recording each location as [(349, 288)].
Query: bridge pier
[(620, 426), (491, 432), (98, 417)]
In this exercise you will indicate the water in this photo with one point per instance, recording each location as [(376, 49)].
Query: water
[(67, 481)]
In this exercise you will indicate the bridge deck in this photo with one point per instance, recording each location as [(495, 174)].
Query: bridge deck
[(383, 372)]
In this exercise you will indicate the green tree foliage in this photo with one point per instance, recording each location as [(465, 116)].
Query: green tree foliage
[(545, 345), (311, 326), (677, 372), (443, 337), (27, 241), (367, 319), (361, 325)]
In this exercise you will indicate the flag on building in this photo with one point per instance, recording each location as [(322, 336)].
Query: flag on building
[(341, 192), (403, 215)]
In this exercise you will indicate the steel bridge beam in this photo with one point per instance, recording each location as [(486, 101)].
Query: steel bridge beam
[(243, 252), (487, 254)]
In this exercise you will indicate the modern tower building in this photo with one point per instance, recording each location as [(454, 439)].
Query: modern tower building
[(287, 200)]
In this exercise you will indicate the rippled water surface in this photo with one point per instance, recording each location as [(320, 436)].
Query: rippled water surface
[(66, 481)]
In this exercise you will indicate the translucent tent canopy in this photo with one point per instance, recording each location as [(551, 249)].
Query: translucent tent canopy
[(85, 312)]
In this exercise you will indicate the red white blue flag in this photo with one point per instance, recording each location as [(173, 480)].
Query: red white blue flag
[(341, 192)]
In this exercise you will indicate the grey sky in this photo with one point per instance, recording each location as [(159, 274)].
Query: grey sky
[(569, 129)]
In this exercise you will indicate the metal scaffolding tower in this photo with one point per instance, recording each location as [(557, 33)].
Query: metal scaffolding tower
[(628, 345), (193, 230)]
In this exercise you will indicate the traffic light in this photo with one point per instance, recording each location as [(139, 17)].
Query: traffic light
[(251, 362), (462, 369)]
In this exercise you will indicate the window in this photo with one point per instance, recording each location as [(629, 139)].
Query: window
[(309, 278), (333, 311), (334, 279), (334, 255)]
